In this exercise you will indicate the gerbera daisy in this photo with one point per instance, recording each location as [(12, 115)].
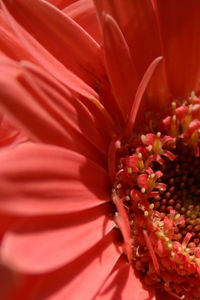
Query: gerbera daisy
[(106, 191)]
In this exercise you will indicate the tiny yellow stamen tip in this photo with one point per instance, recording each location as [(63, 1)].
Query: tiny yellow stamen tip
[(146, 213), (151, 206), (143, 190), (152, 175), (158, 134), (130, 171), (174, 118), (173, 104), (143, 138), (139, 155), (193, 94)]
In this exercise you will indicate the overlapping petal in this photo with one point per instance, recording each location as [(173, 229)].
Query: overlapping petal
[(137, 22), (56, 122), (83, 12), (44, 180), (179, 33), (20, 247), (124, 282), (74, 281), (61, 36)]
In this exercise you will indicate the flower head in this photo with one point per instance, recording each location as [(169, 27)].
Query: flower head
[(104, 197)]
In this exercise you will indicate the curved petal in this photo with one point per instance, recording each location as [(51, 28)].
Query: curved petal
[(83, 12), (123, 281), (137, 22), (119, 65), (83, 277), (9, 135), (93, 125), (44, 118), (46, 180), (74, 236), (180, 33), (42, 57), (61, 3), (61, 36), (9, 43)]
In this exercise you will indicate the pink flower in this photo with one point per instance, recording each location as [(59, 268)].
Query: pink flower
[(103, 198)]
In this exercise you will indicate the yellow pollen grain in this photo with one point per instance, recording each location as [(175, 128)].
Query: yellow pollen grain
[(177, 216), (130, 171), (143, 190), (146, 213), (151, 206), (143, 139), (173, 108)]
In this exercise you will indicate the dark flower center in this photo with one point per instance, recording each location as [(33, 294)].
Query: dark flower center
[(156, 194)]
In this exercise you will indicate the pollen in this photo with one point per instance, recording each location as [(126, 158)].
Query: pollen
[(157, 184)]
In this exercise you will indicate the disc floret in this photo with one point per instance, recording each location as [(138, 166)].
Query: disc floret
[(157, 193)]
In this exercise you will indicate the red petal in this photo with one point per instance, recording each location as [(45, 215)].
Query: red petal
[(124, 282), (49, 120), (9, 43), (9, 135), (119, 65), (180, 34), (139, 95), (83, 12), (82, 278), (61, 3), (47, 180), (42, 57), (90, 125), (61, 36), (137, 22), (58, 245)]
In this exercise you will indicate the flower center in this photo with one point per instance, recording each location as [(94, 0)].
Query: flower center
[(156, 194)]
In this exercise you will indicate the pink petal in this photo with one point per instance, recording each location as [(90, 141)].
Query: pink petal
[(9, 43), (61, 36), (61, 3), (8, 282), (83, 12), (137, 22), (119, 65), (56, 121), (139, 95), (9, 135), (123, 282), (42, 57), (59, 245), (83, 277), (46, 180), (93, 125), (180, 34)]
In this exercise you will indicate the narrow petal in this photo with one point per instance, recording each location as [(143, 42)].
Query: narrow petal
[(61, 36), (77, 115), (46, 180), (61, 3), (180, 34), (82, 278), (75, 236), (83, 12), (137, 22), (48, 116), (42, 57), (123, 282), (9, 43), (119, 65), (140, 92)]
